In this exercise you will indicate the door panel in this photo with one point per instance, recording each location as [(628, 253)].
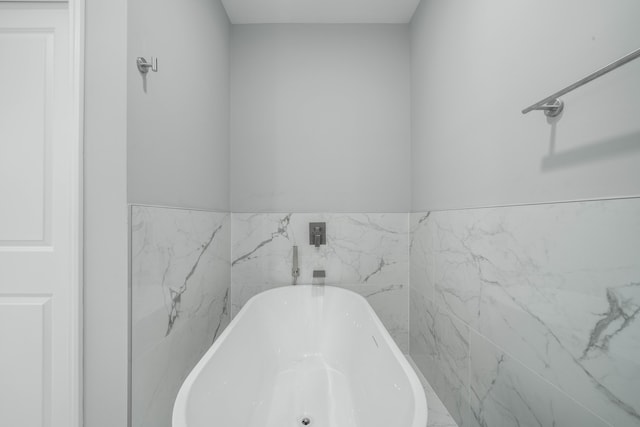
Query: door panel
[(26, 359), (39, 220), (26, 85)]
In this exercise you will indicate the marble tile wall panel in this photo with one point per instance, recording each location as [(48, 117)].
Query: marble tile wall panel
[(367, 253), (180, 285), (505, 393), (440, 348), (556, 287), (438, 416)]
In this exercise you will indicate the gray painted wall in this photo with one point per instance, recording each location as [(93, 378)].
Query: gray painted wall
[(178, 126), (105, 215), (320, 118), (174, 158), (476, 65)]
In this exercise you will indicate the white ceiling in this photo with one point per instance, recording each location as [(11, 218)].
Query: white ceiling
[(320, 11)]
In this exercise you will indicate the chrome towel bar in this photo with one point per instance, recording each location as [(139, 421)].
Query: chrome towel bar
[(553, 106)]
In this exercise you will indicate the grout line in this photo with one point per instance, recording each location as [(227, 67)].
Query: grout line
[(181, 208), (409, 286), (129, 317), (469, 329), (513, 205), (411, 211), (229, 303)]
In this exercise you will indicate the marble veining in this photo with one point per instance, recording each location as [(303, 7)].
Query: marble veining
[(223, 317), (556, 287), (440, 348), (176, 294), (281, 231), (367, 253), (180, 288), (504, 392), (621, 313)]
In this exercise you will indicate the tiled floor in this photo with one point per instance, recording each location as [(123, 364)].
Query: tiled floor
[(438, 414)]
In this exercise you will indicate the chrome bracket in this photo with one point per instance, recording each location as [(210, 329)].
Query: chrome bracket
[(144, 66), (553, 108)]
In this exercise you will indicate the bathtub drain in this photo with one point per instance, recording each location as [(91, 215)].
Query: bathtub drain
[(305, 421)]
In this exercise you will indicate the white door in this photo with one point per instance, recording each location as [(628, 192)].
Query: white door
[(39, 220)]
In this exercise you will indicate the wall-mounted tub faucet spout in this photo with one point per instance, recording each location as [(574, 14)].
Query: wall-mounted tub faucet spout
[(295, 270), (318, 277)]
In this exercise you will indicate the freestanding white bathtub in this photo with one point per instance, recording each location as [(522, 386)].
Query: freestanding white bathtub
[(295, 356)]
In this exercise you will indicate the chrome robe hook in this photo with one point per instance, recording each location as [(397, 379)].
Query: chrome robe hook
[(144, 66)]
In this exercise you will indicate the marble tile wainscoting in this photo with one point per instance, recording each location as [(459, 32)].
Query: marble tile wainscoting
[(438, 416), (366, 253), (530, 315), (180, 284)]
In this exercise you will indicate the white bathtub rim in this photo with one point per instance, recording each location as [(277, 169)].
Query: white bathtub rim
[(180, 405)]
